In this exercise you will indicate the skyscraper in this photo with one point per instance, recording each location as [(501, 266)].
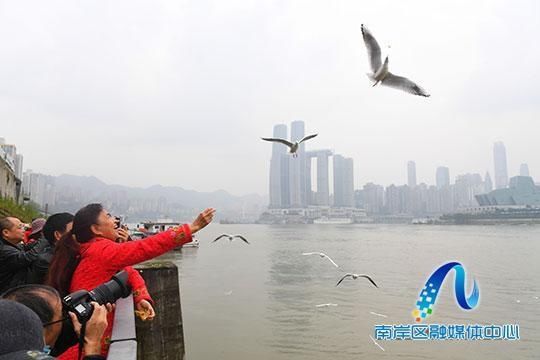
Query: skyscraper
[(501, 172), (411, 174), (488, 185), (278, 150), (297, 168), (322, 196), (442, 177), (524, 170), (343, 181)]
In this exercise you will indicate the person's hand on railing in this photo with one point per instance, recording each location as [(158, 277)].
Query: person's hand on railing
[(202, 220)]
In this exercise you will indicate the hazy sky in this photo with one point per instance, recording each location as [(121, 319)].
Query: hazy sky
[(179, 92)]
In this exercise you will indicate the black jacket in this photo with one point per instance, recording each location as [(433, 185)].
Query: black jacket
[(16, 262), (40, 266)]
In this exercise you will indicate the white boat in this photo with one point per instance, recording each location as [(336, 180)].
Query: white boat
[(154, 227), (193, 244), (333, 221)]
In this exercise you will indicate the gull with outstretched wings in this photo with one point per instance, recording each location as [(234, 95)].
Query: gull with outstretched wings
[(323, 255), (293, 146), (231, 238), (379, 70), (356, 276)]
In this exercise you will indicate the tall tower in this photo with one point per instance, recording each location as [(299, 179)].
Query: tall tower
[(343, 181), (488, 185), (278, 150), (501, 172), (297, 168), (411, 174), (442, 177), (524, 170)]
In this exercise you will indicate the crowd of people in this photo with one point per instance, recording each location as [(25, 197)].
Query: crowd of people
[(42, 263)]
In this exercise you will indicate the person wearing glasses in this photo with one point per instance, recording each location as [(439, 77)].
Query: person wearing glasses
[(61, 329), (16, 259)]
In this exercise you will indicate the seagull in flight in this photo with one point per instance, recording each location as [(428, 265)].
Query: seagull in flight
[(372, 339), (231, 238), (376, 314), (379, 71), (356, 276), (323, 255), (325, 305), (293, 146)]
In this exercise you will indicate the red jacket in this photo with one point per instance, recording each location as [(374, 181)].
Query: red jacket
[(102, 258)]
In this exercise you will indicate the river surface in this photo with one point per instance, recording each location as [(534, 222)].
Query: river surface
[(258, 301)]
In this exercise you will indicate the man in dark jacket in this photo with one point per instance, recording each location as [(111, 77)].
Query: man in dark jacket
[(15, 259), (57, 225)]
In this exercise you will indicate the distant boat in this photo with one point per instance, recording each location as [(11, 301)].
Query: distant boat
[(333, 221), (153, 227)]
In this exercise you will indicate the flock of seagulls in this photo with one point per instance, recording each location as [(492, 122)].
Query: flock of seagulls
[(347, 275), (379, 74)]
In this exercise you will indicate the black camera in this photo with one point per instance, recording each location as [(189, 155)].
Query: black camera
[(78, 302), (117, 222)]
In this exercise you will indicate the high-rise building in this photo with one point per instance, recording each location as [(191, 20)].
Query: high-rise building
[(524, 170), (297, 168), (278, 150), (501, 172), (322, 196), (19, 166), (465, 189), (488, 185), (343, 181), (373, 196), (442, 177), (411, 174)]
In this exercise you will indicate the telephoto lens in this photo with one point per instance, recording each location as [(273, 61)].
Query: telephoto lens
[(78, 302), (112, 290)]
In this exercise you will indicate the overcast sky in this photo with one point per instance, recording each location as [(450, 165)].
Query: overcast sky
[(179, 92)]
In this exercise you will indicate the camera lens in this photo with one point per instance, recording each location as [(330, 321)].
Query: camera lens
[(112, 290)]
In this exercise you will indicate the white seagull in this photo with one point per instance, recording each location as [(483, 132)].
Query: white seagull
[(323, 255), (231, 238), (372, 339), (293, 147), (380, 73), (325, 305), (356, 276), (376, 314)]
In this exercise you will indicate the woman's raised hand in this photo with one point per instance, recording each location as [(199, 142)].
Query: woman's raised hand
[(202, 220)]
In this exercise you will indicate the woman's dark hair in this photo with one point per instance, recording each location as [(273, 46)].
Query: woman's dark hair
[(36, 298), (66, 255), (56, 222)]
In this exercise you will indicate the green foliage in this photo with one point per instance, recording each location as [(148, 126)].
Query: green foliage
[(8, 207)]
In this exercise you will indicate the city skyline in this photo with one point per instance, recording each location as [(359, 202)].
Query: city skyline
[(304, 179), (169, 95)]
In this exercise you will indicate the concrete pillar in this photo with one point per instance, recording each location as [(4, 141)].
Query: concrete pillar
[(162, 338)]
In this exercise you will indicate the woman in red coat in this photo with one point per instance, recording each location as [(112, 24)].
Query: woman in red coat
[(89, 256)]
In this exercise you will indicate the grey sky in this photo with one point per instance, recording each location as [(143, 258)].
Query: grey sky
[(179, 92)]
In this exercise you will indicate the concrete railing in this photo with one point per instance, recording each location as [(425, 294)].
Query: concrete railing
[(123, 339)]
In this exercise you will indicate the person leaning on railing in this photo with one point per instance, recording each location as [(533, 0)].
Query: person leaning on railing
[(88, 256)]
